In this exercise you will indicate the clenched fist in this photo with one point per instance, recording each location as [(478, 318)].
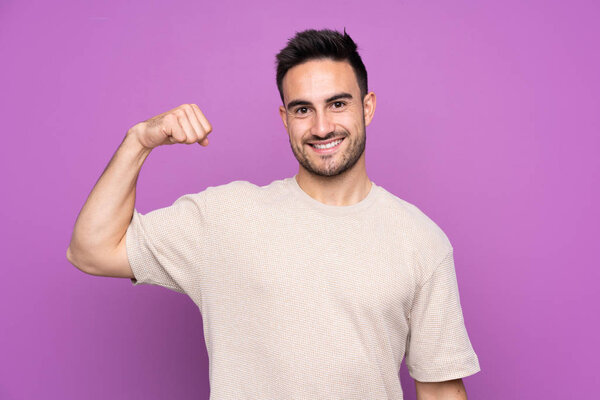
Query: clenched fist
[(183, 124)]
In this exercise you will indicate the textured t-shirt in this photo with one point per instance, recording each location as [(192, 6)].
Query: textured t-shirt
[(304, 300)]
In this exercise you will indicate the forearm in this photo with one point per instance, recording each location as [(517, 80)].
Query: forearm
[(107, 212), (448, 390)]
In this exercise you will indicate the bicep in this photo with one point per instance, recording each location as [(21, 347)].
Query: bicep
[(438, 346)]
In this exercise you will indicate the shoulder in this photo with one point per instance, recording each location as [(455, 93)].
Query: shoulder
[(414, 219), (417, 230), (239, 189), (243, 194), (230, 189)]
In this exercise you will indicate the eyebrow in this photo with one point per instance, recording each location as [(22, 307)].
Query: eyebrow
[(301, 102)]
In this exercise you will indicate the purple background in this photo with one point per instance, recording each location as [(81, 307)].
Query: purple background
[(487, 119)]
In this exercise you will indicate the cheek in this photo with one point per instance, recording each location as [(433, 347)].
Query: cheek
[(351, 123), (298, 127)]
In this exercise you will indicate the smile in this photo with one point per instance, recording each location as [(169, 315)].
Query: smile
[(327, 147)]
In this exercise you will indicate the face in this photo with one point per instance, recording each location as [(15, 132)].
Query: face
[(325, 116)]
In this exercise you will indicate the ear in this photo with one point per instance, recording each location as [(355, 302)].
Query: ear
[(369, 103), (283, 115)]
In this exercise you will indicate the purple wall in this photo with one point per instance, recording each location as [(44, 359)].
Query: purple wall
[(487, 119)]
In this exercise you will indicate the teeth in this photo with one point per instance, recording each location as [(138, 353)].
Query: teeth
[(328, 145)]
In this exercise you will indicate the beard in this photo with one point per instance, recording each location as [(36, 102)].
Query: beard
[(332, 164)]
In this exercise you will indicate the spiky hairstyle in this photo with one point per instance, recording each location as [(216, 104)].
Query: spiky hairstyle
[(314, 44)]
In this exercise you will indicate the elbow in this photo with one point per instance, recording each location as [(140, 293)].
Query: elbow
[(75, 260), (70, 255), (72, 258)]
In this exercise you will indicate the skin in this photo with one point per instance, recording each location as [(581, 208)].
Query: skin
[(448, 390), (322, 100)]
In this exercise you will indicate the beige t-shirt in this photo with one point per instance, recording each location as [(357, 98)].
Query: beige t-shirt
[(304, 300)]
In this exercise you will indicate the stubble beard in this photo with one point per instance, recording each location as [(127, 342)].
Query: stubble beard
[(330, 168)]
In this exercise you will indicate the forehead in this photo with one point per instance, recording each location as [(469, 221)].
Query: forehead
[(319, 79)]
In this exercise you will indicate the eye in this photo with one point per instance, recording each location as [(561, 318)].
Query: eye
[(301, 110), (339, 104)]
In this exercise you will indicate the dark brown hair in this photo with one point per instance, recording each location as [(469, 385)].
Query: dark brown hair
[(318, 44)]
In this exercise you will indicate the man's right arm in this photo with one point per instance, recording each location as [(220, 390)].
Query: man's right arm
[(97, 244)]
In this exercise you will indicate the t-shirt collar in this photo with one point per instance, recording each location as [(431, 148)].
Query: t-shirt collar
[(328, 208)]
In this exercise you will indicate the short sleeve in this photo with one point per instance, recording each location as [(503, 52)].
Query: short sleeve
[(438, 347), (165, 246)]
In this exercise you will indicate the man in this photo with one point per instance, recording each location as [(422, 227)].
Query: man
[(312, 287)]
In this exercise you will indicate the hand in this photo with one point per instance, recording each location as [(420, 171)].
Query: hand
[(183, 124)]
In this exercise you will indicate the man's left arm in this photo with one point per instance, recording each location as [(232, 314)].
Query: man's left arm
[(438, 350), (447, 390)]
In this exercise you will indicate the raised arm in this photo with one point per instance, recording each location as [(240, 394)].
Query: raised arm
[(97, 244)]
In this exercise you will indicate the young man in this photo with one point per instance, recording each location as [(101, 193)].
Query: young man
[(315, 286)]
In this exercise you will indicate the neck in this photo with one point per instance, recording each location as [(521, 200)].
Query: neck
[(345, 189)]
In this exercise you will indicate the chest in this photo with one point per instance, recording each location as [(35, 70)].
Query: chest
[(315, 265)]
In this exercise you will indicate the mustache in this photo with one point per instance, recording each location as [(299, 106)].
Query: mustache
[(330, 135)]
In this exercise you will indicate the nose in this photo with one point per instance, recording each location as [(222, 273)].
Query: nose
[(322, 124)]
